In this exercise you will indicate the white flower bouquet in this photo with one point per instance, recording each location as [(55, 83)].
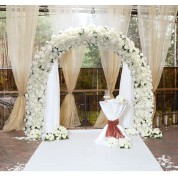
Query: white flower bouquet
[(156, 133), (146, 132), (61, 133), (121, 142)]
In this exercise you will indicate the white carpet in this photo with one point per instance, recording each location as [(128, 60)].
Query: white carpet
[(80, 153)]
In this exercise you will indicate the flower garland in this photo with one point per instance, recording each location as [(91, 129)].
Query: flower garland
[(99, 36)]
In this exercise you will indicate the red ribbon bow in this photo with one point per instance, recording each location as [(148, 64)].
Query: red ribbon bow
[(113, 130)]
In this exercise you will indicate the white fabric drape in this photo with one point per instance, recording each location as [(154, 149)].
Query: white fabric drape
[(51, 116), (71, 63), (113, 109), (126, 90), (156, 24), (63, 17), (118, 17), (21, 29)]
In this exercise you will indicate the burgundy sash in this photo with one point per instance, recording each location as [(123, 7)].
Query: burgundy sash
[(113, 130)]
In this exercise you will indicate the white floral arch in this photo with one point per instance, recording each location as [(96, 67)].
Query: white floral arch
[(99, 36)]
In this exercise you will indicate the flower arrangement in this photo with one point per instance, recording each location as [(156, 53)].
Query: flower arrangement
[(99, 36), (61, 133), (156, 133), (121, 142)]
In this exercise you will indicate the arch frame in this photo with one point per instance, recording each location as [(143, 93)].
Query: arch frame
[(100, 36)]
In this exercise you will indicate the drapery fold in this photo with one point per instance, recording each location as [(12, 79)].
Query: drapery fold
[(63, 17), (118, 17), (21, 29), (51, 112), (111, 65), (156, 24), (71, 63)]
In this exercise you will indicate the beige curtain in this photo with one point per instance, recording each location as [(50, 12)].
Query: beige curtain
[(21, 28), (111, 65), (118, 18), (71, 63), (156, 24)]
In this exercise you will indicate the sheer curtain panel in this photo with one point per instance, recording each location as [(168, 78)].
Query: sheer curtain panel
[(21, 29), (156, 24), (71, 63), (118, 17)]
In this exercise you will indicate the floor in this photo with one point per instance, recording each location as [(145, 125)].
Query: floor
[(15, 153)]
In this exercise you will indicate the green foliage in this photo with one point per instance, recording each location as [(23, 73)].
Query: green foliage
[(2, 22), (169, 62), (92, 58), (91, 79), (133, 32), (43, 32)]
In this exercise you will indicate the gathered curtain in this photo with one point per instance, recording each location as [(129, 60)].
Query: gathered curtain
[(156, 24), (21, 29), (111, 65), (118, 17), (71, 63), (63, 17)]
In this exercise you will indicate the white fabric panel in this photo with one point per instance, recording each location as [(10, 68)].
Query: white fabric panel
[(113, 109), (51, 117), (80, 153), (126, 90)]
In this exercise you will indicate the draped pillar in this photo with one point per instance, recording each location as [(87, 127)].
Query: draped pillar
[(71, 63), (21, 29), (156, 24), (118, 17)]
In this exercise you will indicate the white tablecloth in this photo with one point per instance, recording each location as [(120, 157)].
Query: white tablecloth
[(113, 109)]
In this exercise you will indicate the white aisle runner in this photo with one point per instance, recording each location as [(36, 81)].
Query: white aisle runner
[(80, 153)]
